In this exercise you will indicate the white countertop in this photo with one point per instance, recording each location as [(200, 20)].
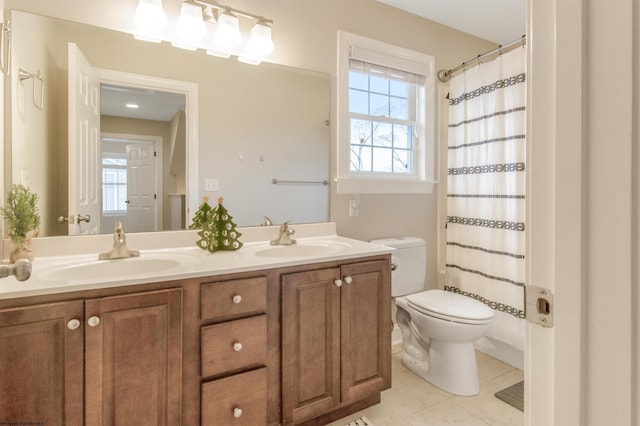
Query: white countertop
[(178, 258)]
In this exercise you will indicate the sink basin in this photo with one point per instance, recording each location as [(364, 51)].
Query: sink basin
[(146, 265), (302, 250)]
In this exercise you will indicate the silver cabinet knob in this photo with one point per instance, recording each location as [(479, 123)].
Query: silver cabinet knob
[(348, 280), (237, 346), (338, 283), (73, 324), (237, 412), (93, 321), (237, 299)]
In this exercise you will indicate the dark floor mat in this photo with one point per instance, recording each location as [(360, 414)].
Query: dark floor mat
[(513, 395)]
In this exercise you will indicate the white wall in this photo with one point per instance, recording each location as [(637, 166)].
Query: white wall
[(584, 211), (305, 35)]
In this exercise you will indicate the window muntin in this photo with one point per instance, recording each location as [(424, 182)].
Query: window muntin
[(114, 184), (382, 115)]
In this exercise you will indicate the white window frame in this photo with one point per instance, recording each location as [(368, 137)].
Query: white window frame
[(422, 180)]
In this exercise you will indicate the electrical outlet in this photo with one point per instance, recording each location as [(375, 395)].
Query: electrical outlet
[(354, 208), (211, 185)]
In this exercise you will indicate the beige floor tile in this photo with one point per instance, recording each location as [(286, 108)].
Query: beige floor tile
[(412, 401)]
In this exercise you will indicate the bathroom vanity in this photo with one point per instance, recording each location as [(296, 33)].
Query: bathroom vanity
[(258, 336)]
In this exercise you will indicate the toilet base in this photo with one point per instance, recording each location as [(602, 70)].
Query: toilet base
[(451, 366)]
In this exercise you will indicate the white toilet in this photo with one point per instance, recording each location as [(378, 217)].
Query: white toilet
[(438, 327)]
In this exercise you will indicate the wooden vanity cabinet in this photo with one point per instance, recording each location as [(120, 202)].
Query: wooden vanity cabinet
[(41, 364), (336, 340), (277, 346), (109, 360), (234, 345)]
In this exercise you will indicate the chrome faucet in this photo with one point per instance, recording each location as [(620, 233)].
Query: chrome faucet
[(266, 221), (284, 235), (119, 250), (21, 269)]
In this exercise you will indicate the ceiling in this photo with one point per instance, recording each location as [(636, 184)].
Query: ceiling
[(499, 21), (152, 104)]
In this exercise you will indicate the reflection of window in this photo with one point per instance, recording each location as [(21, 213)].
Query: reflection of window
[(386, 118), (114, 183)]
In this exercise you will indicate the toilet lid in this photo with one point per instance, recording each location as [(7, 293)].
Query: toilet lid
[(450, 305)]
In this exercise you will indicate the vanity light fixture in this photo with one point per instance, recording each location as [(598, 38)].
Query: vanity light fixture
[(150, 21), (227, 35), (208, 25), (191, 28), (259, 44)]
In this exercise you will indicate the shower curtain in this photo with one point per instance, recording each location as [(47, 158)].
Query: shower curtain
[(486, 190)]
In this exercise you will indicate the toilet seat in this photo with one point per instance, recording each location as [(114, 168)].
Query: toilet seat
[(450, 307)]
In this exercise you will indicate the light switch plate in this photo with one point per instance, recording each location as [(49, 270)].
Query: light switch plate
[(211, 184)]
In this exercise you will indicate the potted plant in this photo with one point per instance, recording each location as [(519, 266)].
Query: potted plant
[(23, 220)]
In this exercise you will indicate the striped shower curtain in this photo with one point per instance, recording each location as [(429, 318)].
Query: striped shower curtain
[(486, 190)]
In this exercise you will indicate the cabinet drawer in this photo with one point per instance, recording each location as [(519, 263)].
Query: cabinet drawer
[(234, 345), (236, 400), (234, 297)]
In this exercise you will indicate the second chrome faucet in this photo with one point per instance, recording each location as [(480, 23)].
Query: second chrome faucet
[(284, 235)]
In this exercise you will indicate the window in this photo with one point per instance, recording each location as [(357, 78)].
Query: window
[(114, 183), (386, 116)]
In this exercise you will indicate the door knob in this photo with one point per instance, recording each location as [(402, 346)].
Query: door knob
[(85, 218), (348, 280), (338, 283)]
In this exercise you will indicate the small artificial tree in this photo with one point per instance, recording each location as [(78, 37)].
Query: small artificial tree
[(202, 214), (218, 231), (23, 219)]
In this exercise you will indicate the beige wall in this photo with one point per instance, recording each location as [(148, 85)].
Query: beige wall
[(305, 35)]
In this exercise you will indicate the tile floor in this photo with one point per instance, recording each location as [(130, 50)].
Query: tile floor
[(412, 401)]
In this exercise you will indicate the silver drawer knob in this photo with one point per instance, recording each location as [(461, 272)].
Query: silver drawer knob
[(237, 412), (73, 324), (237, 299), (93, 321), (348, 280), (338, 283), (237, 346)]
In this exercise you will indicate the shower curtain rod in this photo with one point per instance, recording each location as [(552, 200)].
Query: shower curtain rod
[(445, 75)]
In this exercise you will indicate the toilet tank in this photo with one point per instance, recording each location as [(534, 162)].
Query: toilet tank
[(410, 258)]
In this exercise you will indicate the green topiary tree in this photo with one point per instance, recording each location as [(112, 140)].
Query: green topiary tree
[(21, 213)]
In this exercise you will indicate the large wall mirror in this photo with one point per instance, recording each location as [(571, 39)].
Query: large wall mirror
[(219, 128)]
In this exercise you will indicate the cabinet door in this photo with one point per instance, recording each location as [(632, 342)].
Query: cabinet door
[(365, 329), (310, 344), (134, 359), (41, 364)]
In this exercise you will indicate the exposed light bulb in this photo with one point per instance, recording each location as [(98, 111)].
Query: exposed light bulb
[(190, 28), (150, 20)]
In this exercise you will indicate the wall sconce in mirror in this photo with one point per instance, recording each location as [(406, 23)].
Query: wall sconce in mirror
[(207, 25), (37, 77), (5, 47)]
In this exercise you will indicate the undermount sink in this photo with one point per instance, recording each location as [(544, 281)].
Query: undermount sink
[(147, 265), (302, 250)]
